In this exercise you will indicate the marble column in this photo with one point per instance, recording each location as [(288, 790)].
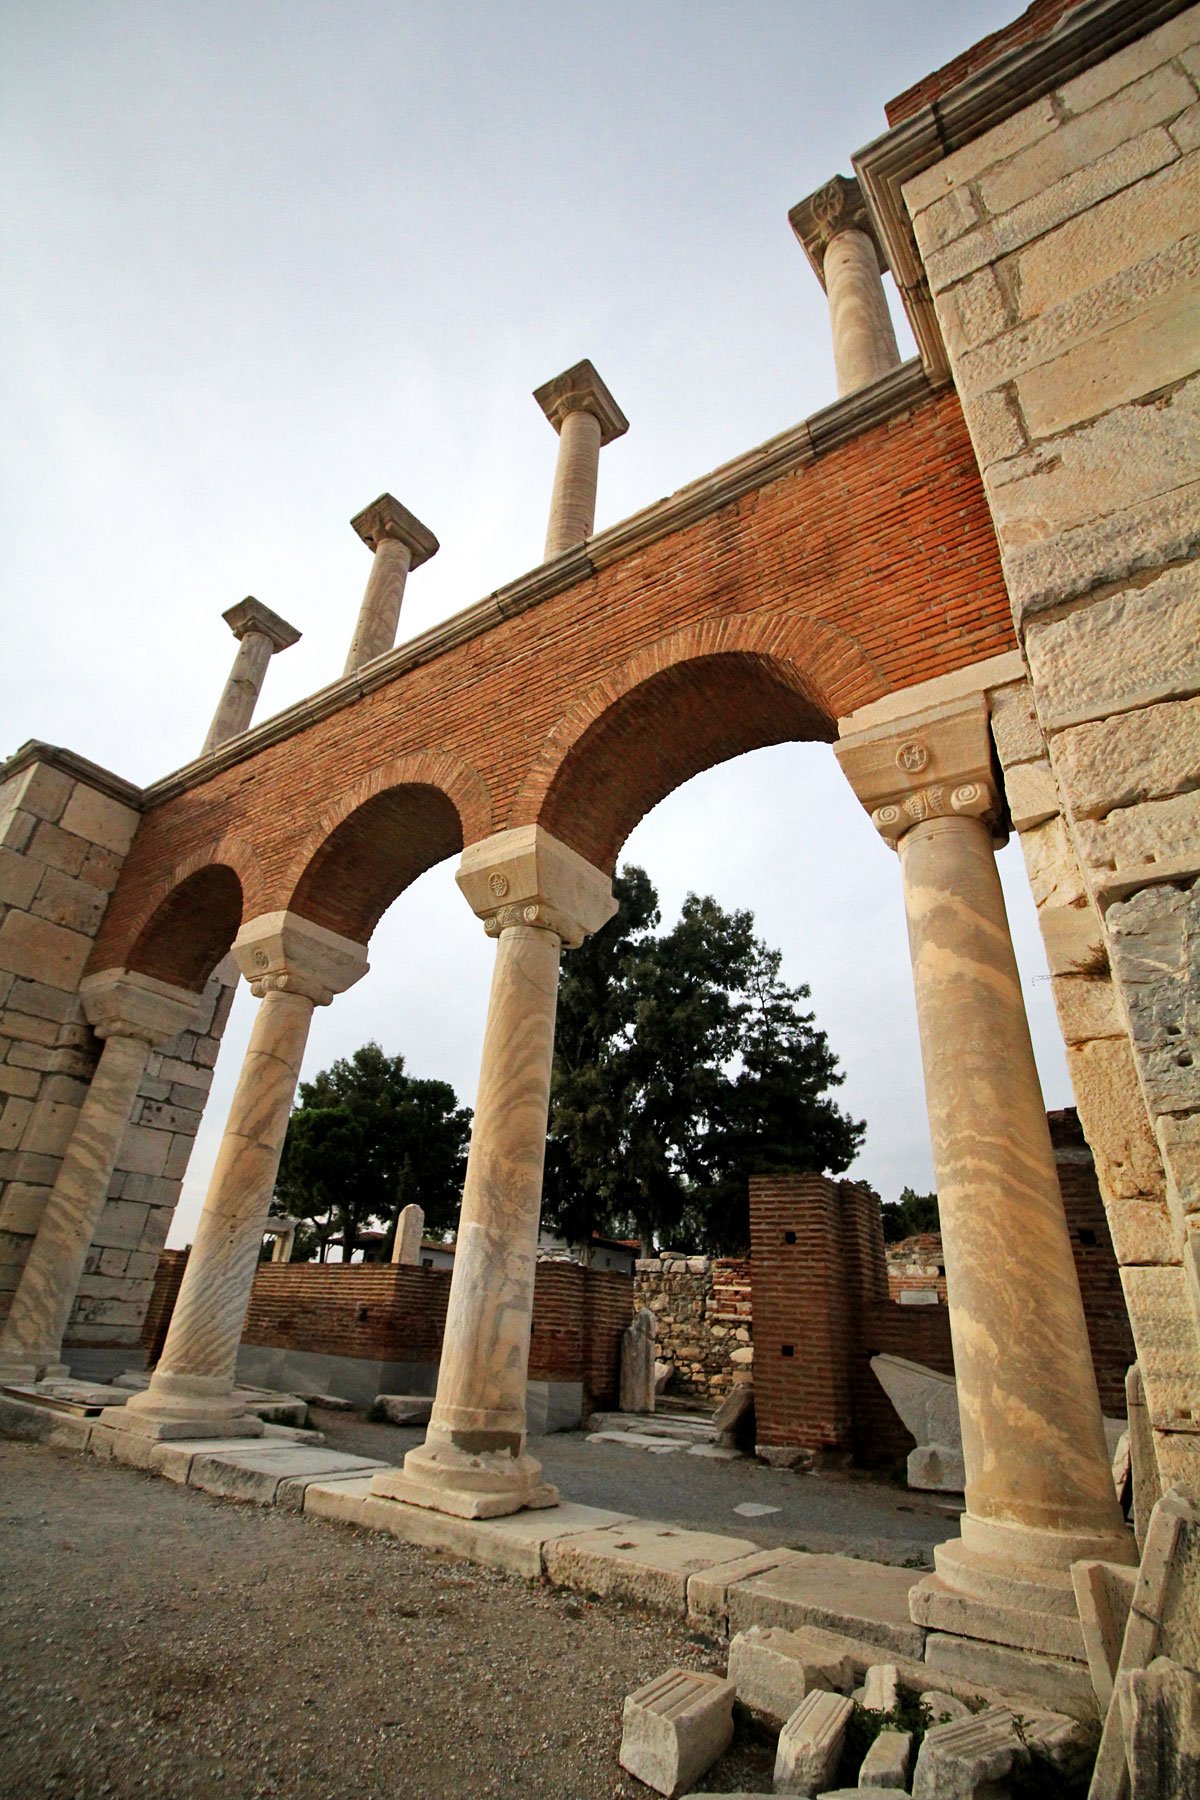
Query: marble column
[(284, 1236), (260, 633), (410, 1229), (586, 417), (399, 542), (131, 1013), (840, 242), (534, 895), (292, 966), (1039, 1492)]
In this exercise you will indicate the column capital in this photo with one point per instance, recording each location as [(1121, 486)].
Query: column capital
[(386, 518), (251, 615), (580, 389), (124, 1003), (819, 218), (283, 953), (527, 877), (935, 764)]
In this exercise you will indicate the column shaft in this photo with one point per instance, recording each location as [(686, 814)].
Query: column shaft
[(1037, 1475), (192, 1385), (864, 342), (31, 1342), (573, 502), (379, 615), (235, 708)]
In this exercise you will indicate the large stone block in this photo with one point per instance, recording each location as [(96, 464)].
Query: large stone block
[(863, 1600), (100, 819), (675, 1728), (641, 1561), (1155, 945), (1079, 673), (1087, 1007), (1144, 535), (810, 1744), (19, 878), (46, 953), (773, 1669), (144, 1151), (1133, 357), (1151, 754), (65, 900), (121, 1226), (1156, 841), (1141, 1231), (1032, 794), (975, 312), (1114, 1118), (1007, 139), (1179, 1143), (1015, 729), (1127, 65), (1164, 1330), (40, 790)]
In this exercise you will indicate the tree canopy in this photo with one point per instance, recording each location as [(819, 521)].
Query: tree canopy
[(366, 1139), (910, 1215), (683, 1064)]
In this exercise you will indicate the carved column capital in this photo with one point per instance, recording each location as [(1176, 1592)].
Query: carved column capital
[(819, 218), (284, 953), (580, 389), (251, 615), (124, 1003), (385, 518), (527, 877), (935, 764)]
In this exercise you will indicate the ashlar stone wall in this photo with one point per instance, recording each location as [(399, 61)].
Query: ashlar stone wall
[(1062, 252), (65, 829)]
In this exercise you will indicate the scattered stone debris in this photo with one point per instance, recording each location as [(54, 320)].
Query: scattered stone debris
[(675, 1728)]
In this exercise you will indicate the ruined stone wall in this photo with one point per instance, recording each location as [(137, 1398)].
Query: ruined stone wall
[(1061, 253), (702, 1311), (65, 829)]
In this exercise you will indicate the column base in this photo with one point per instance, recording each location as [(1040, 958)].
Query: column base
[(177, 1407), (487, 1485), (1011, 1585), (25, 1369)]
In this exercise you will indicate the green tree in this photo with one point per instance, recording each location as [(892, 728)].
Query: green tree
[(911, 1214), (364, 1141), (683, 1064)]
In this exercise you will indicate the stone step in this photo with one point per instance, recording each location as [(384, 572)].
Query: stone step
[(843, 1594)]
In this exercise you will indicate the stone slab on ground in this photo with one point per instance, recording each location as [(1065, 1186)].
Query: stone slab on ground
[(675, 1727), (708, 1591), (1046, 1680), (862, 1600), (256, 1474), (773, 1669), (641, 1561), (43, 1425), (289, 1495), (174, 1457), (638, 1440), (402, 1409), (810, 1744), (516, 1543)]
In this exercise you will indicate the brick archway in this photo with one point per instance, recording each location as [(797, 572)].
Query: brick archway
[(682, 705), (192, 915), (391, 827)]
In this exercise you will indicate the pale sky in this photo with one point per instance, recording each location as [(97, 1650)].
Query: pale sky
[(265, 261)]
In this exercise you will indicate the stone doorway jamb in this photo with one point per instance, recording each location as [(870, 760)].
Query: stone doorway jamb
[(292, 966), (534, 895)]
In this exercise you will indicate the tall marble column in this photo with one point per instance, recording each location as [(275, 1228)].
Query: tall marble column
[(840, 242), (586, 417), (400, 543), (534, 895), (131, 1013), (292, 966), (260, 633), (1039, 1492)]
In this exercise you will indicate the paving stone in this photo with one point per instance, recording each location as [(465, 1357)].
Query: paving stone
[(863, 1600), (810, 1744), (708, 1591), (675, 1727), (773, 1670), (641, 1561), (887, 1762), (256, 1474)]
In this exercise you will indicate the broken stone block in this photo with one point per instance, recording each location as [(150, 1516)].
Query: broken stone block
[(734, 1420), (663, 1373), (933, 1468), (676, 1727), (972, 1756), (773, 1670), (1160, 1714), (810, 1744), (402, 1409), (927, 1402), (637, 1364), (886, 1763), (943, 1709), (1103, 1594), (881, 1689)]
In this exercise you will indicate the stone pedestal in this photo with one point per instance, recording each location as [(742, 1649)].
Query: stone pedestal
[(400, 543), (292, 966), (260, 633), (410, 1230), (839, 240), (534, 895), (131, 1013), (1039, 1491), (586, 417)]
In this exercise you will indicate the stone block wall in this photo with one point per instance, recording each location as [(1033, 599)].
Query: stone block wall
[(916, 1274), (702, 1309), (65, 829), (1060, 250)]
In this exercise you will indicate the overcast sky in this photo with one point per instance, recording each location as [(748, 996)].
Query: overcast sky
[(265, 261)]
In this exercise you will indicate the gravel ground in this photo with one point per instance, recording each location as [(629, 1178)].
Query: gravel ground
[(156, 1642), (848, 1513)]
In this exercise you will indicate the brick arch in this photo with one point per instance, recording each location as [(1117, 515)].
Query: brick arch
[(682, 705), (192, 915), (389, 828)]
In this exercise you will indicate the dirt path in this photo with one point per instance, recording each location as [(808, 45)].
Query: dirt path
[(160, 1644)]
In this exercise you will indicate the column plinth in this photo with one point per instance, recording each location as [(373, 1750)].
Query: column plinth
[(260, 633), (1039, 1491), (130, 1013), (586, 417), (400, 543), (840, 241), (292, 966), (534, 894)]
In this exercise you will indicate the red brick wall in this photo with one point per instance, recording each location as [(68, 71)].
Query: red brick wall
[(168, 1278), (1036, 21), (607, 1310), (920, 1333)]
